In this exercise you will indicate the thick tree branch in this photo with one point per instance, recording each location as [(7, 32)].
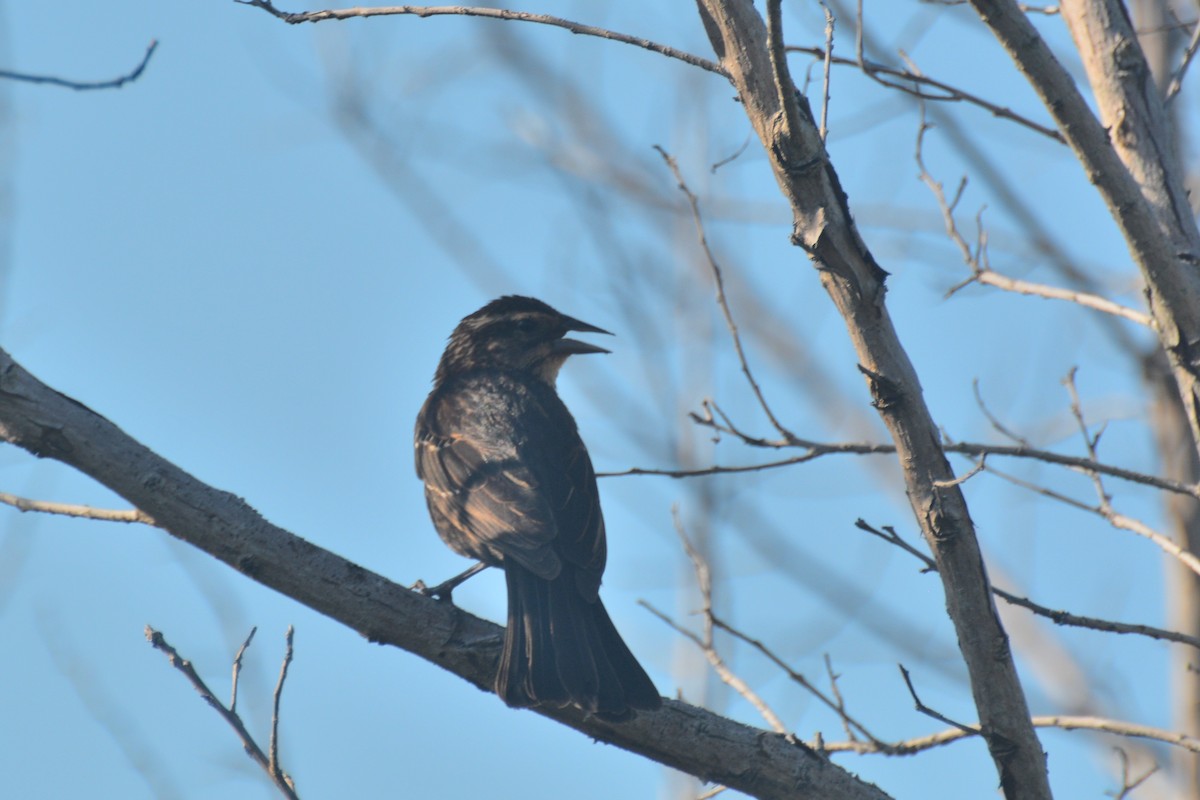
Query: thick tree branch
[(823, 226), (51, 425)]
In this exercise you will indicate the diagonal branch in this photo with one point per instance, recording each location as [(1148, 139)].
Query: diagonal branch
[(889, 535), (722, 299), (823, 226), (270, 765), (1135, 168), (912, 83), (693, 740)]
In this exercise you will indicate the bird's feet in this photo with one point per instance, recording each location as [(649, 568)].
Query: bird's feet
[(444, 590)]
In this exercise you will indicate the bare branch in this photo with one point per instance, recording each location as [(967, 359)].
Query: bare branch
[(946, 93), (976, 258), (706, 643), (1127, 154), (727, 675), (990, 277), (295, 18), (817, 450), (889, 535), (694, 740), (825, 70), (237, 670), (1061, 722), (1128, 783), (833, 703), (1189, 53), (255, 752), (277, 774), (72, 510), (722, 300), (1105, 510), (966, 476), (1119, 728), (930, 712), (115, 83), (999, 426)]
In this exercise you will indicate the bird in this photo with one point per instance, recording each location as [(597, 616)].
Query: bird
[(509, 482)]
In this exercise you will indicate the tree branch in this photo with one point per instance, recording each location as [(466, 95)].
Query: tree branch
[(693, 740), (270, 765), (946, 93), (73, 510), (823, 226), (889, 535), (1135, 169), (295, 18), (115, 83)]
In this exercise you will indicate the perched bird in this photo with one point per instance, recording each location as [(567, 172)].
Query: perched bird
[(509, 482)]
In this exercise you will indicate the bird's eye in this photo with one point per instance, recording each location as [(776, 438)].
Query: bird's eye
[(527, 325)]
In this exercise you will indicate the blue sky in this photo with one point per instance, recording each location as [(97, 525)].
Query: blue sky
[(257, 289)]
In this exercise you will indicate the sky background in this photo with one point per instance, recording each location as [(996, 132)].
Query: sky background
[(250, 258)]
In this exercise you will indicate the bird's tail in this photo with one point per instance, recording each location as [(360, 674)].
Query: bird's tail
[(560, 648)]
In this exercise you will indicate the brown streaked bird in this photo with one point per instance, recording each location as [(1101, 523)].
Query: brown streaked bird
[(509, 482)]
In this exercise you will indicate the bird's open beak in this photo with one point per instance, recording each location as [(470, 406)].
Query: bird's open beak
[(572, 347)]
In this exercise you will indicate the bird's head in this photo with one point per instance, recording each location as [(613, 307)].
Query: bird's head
[(515, 333)]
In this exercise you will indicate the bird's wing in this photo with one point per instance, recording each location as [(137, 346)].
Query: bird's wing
[(485, 500), (558, 459)]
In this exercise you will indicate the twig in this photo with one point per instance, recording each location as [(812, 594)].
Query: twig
[(72, 510), (284, 783), (706, 642), (1189, 53), (115, 83), (976, 258), (490, 13), (722, 300), (1120, 728), (277, 774), (728, 159), (817, 450), (948, 93), (237, 670), (1066, 723), (999, 426), (989, 277), (979, 467), (929, 712), (834, 703), (859, 60), (889, 535), (1128, 784), (1105, 510), (838, 700), (824, 130)]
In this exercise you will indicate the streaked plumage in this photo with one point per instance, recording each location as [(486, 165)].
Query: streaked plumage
[(508, 481)]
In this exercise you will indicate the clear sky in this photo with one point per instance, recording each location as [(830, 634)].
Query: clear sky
[(249, 259)]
